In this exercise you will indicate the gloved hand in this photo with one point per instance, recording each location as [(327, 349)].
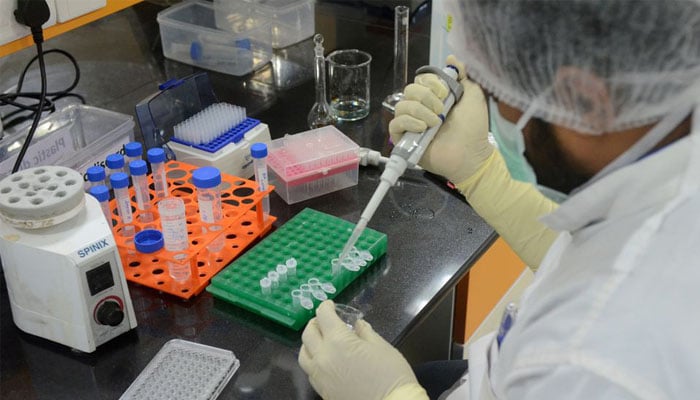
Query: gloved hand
[(461, 146), (346, 364)]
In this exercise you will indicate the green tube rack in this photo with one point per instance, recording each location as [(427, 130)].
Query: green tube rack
[(313, 238)]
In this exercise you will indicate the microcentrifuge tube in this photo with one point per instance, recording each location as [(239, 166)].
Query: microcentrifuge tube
[(306, 303), (328, 287), (282, 272), (266, 285), (291, 264), (274, 278), (296, 297), (318, 293)]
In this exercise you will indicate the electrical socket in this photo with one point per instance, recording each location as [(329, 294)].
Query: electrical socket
[(10, 29)]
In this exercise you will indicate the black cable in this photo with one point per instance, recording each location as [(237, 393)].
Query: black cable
[(9, 98), (37, 114)]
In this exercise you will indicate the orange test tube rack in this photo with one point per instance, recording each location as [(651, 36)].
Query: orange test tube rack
[(243, 222)]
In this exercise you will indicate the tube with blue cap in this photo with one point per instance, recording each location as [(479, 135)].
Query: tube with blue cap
[(406, 153)]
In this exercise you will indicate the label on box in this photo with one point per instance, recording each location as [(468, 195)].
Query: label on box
[(43, 152)]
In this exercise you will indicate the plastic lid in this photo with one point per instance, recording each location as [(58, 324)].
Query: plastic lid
[(133, 149), (95, 173), (100, 192), (138, 167), (115, 161), (148, 241), (119, 180), (206, 177), (258, 150), (156, 155)]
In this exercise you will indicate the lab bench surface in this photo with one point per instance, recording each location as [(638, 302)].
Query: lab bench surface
[(434, 236)]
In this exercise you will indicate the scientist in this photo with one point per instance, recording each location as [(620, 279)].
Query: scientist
[(594, 103)]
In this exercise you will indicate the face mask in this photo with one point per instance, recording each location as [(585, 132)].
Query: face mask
[(511, 145)]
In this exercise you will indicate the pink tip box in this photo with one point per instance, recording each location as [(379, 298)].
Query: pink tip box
[(312, 163)]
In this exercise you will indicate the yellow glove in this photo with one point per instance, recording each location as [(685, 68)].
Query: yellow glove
[(462, 153), (460, 147), (346, 364)]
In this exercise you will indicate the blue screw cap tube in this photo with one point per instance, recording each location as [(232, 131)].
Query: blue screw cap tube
[(156, 156), (114, 163), (95, 176), (101, 193), (259, 153), (139, 171), (120, 184), (207, 181), (133, 151)]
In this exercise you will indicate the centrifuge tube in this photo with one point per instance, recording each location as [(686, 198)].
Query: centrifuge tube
[(173, 223), (156, 156), (101, 193), (120, 184), (259, 153), (296, 297), (274, 278), (282, 272), (139, 169), (320, 114), (133, 151), (95, 176), (179, 268), (207, 181), (114, 163)]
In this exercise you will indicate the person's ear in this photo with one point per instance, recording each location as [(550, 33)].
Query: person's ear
[(586, 95)]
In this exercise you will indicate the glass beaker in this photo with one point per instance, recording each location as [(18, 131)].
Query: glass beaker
[(349, 75)]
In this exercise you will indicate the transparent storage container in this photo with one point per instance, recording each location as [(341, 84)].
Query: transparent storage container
[(76, 136), (190, 35), (312, 163), (291, 20)]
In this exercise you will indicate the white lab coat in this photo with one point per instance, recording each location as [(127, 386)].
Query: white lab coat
[(613, 311)]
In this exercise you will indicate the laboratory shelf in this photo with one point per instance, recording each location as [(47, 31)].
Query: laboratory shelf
[(208, 252), (313, 239)]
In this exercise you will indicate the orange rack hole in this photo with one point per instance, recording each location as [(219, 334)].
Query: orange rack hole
[(243, 222)]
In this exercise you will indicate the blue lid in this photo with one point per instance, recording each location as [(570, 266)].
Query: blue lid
[(206, 177), (115, 161), (148, 241), (138, 167), (156, 155), (119, 180), (133, 149), (100, 192), (258, 150), (196, 51), (95, 173)]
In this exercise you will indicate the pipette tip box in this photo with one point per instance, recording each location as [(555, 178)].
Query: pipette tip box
[(184, 370), (313, 239), (313, 163)]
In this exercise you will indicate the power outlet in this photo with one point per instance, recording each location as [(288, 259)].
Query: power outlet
[(69, 9), (11, 30)]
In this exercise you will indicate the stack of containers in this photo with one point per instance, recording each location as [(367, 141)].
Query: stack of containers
[(291, 20), (190, 35)]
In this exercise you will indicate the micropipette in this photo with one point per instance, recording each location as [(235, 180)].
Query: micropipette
[(406, 153)]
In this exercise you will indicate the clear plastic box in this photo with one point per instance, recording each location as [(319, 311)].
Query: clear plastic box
[(312, 163), (76, 136), (292, 20), (184, 370), (190, 35)]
